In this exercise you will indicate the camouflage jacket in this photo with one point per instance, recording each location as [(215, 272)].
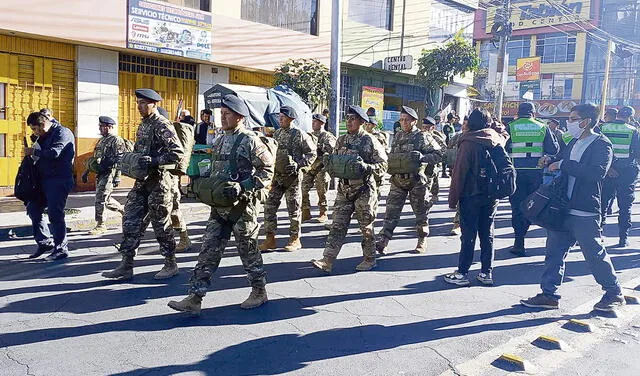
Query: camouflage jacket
[(108, 152), (415, 140), (157, 138), (326, 144), (367, 147), (254, 161), (296, 143), (381, 137)]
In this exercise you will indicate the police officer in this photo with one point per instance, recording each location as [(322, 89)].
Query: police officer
[(316, 175), (530, 140), (158, 147), (296, 150), (243, 162), (357, 196), (623, 173), (106, 154), (410, 147)]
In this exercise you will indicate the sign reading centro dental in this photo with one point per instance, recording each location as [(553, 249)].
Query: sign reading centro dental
[(540, 13), (167, 29), (398, 63)]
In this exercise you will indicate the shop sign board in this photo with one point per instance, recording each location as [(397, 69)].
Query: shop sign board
[(398, 63), (541, 13), (528, 69)]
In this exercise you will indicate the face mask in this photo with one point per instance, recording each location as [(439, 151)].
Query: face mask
[(573, 127)]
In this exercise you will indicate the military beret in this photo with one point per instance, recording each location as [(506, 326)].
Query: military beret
[(163, 112), (410, 111), (429, 121), (235, 104), (357, 110), (288, 111), (106, 120), (149, 94), (322, 118), (626, 111)]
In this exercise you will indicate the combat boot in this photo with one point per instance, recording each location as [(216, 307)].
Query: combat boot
[(169, 269), (191, 304), (381, 245), (257, 298), (185, 242), (123, 272), (269, 242), (367, 263), (294, 244), (306, 215), (421, 247), (99, 229), (325, 264), (322, 218)]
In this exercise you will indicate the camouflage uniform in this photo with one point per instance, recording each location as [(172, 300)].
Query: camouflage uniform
[(177, 221), (357, 196), (432, 169), (156, 137), (413, 185), (317, 174), (384, 141), (107, 152), (300, 146), (255, 162)]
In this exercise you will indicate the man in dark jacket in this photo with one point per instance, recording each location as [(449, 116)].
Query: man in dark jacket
[(477, 211), (53, 154), (584, 162), (203, 128)]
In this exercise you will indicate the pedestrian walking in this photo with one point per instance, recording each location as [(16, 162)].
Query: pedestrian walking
[(317, 175), (584, 162), (104, 163), (243, 169), (53, 153)]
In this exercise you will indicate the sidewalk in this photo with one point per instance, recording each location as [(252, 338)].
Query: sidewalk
[(80, 213)]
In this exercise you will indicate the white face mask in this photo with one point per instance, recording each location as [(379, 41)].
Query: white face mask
[(573, 127)]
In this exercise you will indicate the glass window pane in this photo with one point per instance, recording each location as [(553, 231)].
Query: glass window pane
[(297, 15), (375, 13)]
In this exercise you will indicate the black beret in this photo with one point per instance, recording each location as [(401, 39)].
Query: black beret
[(357, 110), (163, 112), (525, 109), (322, 118), (410, 111), (148, 94), (235, 104), (429, 121), (288, 111), (106, 120)]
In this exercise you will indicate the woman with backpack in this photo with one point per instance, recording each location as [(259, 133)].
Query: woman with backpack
[(469, 190)]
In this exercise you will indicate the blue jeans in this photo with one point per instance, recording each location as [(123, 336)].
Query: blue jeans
[(476, 220), (587, 231), (623, 188), (55, 192)]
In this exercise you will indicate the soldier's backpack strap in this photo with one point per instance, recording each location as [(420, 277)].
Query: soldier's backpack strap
[(233, 159)]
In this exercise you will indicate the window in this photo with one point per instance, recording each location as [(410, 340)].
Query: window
[(556, 48), (157, 67), (3, 101), (556, 86), (204, 5), (345, 95), (297, 15), (376, 13), (486, 49), (517, 48)]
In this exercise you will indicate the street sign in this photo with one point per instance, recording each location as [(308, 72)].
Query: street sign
[(398, 63)]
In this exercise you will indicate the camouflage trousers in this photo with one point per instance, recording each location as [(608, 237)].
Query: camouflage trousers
[(291, 188), (152, 198), (177, 222), (321, 181), (104, 188), (214, 242), (434, 189), (361, 199), (395, 202)]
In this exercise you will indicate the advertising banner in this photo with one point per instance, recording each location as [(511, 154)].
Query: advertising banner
[(527, 14), (168, 29), (528, 69), (525, 86), (373, 97)]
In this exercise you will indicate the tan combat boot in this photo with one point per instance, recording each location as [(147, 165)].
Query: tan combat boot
[(306, 215), (367, 263), (185, 242), (325, 264), (268, 243), (169, 269), (257, 298), (191, 304), (421, 247), (455, 230), (99, 229), (294, 244), (322, 218), (381, 245), (123, 272)]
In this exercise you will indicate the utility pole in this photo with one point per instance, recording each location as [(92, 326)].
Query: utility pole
[(336, 57), (404, 13), (605, 83), (502, 27)]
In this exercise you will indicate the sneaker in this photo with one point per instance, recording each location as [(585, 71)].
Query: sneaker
[(485, 278), (56, 255), (40, 251), (457, 278), (540, 301), (609, 303)]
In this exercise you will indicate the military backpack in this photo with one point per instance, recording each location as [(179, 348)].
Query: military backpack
[(344, 166), (403, 163), (130, 166), (185, 133)]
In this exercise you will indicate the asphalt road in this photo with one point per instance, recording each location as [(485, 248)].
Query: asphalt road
[(400, 319)]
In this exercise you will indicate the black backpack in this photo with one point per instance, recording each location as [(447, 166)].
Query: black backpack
[(497, 174), (26, 186)]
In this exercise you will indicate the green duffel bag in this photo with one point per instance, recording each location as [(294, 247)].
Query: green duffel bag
[(130, 167), (344, 166), (210, 191), (403, 163), (92, 165)]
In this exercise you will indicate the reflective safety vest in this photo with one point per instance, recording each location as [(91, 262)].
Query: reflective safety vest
[(620, 135), (527, 138), (567, 137)]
